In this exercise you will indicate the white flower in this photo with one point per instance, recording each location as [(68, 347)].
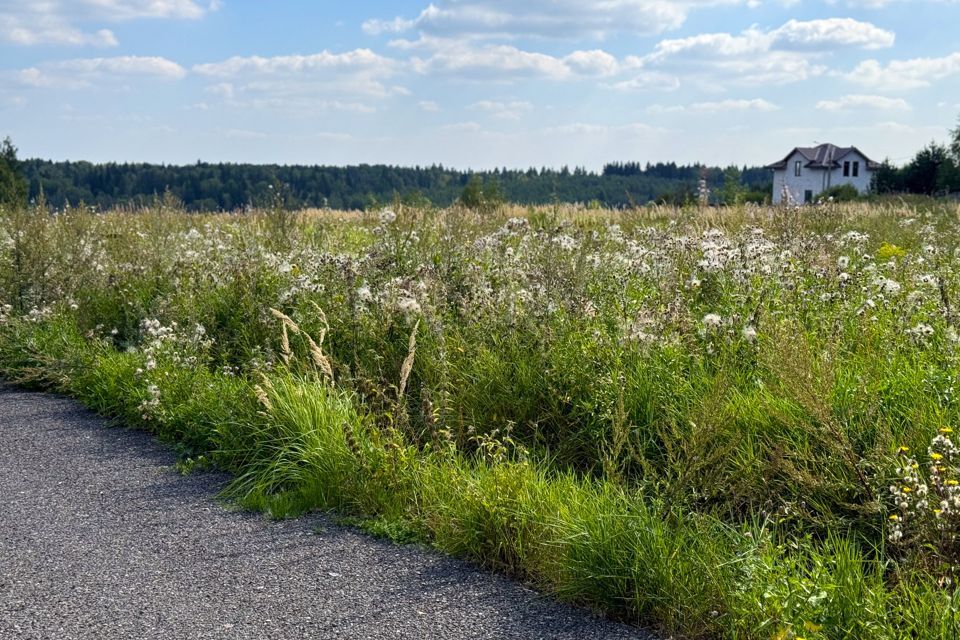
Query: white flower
[(387, 216), (843, 262), (712, 320), (408, 306), (888, 286), (749, 333)]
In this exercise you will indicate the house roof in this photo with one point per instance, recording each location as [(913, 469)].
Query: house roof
[(823, 156)]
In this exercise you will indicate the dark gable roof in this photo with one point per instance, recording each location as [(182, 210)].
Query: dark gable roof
[(823, 156)]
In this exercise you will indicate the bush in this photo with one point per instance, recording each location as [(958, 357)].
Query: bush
[(840, 193)]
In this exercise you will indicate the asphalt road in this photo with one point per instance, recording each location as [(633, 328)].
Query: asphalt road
[(102, 538)]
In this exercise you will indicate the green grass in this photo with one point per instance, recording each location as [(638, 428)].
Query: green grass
[(572, 414)]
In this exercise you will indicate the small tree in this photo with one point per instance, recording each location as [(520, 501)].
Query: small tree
[(13, 187), (476, 195), (733, 190), (923, 171)]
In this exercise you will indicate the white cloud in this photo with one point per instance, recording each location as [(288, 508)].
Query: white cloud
[(501, 62), (790, 53), (59, 22), (880, 4), (513, 110), (860, 103), (84, 72), (325, 61), (755, 104), (594, 63), (545, 18), (462, 127), (429, 106), (41, 29), (831, 33), (397, 25), (648, 80), (358, 72), (134, 9), (898, 75), (593, 129)]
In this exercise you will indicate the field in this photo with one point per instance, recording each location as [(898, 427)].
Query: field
[(722, 423)]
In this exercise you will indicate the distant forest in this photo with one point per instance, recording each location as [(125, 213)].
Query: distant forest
[(213, 187)]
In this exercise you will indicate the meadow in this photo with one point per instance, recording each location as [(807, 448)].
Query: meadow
[(717, 422)]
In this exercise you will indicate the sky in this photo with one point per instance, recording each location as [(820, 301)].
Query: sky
[(475, 84)]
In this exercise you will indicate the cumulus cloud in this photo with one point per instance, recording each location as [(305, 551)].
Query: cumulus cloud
[(545, 18), (502, 62), (787, 54), (304, 84), (325, 61), (899, 75), (831, 33), (511, 110), (59, 22), (857, 102), (84, 72)]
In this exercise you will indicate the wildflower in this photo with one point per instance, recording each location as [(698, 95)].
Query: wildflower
[(936, 456), (712, 320), (888, 286), (408, 306), (945, 430), (387, 217), (364, 294)]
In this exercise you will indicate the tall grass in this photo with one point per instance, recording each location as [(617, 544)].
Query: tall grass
[(688, 419)]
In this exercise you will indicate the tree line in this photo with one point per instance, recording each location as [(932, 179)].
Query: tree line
[(223, 186)]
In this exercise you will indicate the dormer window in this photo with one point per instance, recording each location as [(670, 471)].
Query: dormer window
[(796, 168)]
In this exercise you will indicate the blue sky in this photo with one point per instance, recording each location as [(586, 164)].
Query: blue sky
[(475, 83)]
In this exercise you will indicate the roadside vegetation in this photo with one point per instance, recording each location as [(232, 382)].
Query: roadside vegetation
[(724, 423)]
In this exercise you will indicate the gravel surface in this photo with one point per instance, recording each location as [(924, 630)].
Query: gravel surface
[(102, 539)]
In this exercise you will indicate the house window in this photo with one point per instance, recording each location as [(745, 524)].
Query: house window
[(846, 169), (856, 168), (808, 196), (796, 168)]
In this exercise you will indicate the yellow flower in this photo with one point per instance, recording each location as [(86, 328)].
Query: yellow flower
[(903, 449), (946, 430), (906, 489), (894, 517), (952, 483), (936, 456)]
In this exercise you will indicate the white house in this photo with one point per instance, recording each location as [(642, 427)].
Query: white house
[(808, 171)]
